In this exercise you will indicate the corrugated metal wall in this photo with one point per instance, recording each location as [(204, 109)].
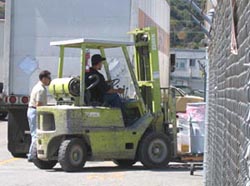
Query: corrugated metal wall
[(229, 112), (158, 10), (157, 13)]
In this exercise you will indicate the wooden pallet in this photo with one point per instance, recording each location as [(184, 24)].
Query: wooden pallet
[(195, 160), (191, 158)]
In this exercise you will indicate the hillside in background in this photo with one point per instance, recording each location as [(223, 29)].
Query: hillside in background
[(185, 33), (2, 9)]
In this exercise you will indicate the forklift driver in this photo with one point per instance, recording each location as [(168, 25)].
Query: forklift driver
[(102, 92)]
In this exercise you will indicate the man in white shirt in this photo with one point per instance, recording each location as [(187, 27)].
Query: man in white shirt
[(38, 97)]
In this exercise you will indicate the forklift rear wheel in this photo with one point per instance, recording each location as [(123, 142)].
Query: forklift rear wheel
[(154, 151), (124, 163), (72, 155), (40, 163)]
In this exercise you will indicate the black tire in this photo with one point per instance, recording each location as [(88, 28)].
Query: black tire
[(40, 163), (154, 151), (72, 155), (3, 115), (124, 163), (19, 155)]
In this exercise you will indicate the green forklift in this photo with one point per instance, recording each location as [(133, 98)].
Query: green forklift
[(75, 130)]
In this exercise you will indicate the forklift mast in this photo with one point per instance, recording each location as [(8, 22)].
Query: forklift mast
[(147, 67), (159, 100)]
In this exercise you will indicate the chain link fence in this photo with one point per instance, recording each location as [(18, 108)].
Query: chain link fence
[(227, 159)]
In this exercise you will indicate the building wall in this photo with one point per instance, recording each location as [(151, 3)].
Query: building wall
[(228, 131), (186, 72), (157, 13)]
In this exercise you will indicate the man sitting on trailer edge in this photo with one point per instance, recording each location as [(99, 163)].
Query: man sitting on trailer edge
[(102, 92)]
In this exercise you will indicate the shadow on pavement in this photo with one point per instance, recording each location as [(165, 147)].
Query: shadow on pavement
[(101, 169)]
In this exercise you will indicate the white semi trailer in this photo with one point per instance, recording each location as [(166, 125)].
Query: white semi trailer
[(31, 25), (3, 111)]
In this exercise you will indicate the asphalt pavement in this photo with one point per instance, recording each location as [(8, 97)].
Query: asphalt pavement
[(18, 172)]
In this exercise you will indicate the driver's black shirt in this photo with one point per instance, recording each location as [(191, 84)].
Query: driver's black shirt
[(98, 91)]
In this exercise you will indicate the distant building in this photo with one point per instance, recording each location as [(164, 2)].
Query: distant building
[(188, 67)]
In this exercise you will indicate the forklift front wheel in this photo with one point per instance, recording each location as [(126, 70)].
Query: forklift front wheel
[(154, 151), (72, 155)]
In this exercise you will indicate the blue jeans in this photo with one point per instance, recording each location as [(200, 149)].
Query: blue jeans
[(113, 100), (31, 114)]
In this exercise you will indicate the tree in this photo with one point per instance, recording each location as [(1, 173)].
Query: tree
[(2, 9), (184, 32)]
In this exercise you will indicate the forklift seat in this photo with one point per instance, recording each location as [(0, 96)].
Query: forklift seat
[(89, 100)]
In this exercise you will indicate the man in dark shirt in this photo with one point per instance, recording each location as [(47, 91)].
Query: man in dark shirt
[(102, 92)]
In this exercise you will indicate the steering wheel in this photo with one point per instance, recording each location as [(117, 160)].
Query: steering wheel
[(114, 82)]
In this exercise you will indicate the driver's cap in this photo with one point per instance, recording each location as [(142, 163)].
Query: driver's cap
[(97, 58)]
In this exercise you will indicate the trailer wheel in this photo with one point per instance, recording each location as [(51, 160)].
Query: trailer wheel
[(124, 163), (19, 155), (40, 163), (3, 115), (72, 155), (154, 151)]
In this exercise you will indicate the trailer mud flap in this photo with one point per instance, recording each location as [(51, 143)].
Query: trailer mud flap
[(18, 138)]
